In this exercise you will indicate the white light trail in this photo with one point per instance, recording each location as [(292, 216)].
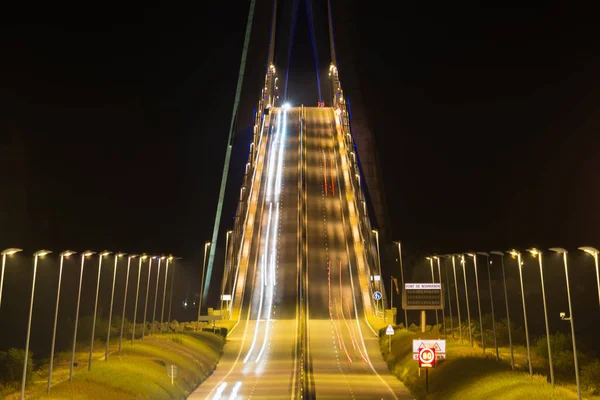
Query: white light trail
[(235, 390), (220, 390)]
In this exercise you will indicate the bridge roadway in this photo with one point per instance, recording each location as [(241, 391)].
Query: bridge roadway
[(261, 359)]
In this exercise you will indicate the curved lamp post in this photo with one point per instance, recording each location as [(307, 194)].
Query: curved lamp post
[(36, 255), (137, 295), (118, 256), (488, 262), (594, 253), (125, 300), (517, 255), (478, 299), (63, 255), (437, 318), (105, 253), (156, 293), (84, 255), (570, 317), (206, 247), (5, 253), (537, 253), (402, 279), (172, 284), (457, 298), (510, 343), (147, 290), (162, 312), (443, 310), (464, 266)]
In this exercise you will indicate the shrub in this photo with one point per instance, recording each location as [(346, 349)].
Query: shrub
[(11, 366), (590, 377)]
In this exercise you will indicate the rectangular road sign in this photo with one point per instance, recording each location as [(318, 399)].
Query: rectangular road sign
[(423, 296), (438, 345)]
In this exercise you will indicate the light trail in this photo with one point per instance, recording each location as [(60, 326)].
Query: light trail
[(220, 391), (235, 390)]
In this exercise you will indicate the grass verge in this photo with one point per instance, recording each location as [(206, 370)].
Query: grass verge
[(140, 371), (469, 374)]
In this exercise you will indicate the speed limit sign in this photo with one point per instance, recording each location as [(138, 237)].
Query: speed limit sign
[(427, 358)]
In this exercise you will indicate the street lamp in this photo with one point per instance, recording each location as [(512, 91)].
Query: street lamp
[(225, 267), (125, 300), (464, 266), (437, 318), (147, 290), (512, 354), (162, 313), (570, 317), (156, 293), (594, 253), (488, 262), (478, 299), (84, 255), (172, 284), (118, 256), (63, 255), (457, 298), (206, 247), (517, 254), (449, 294), (402, 278), (443, 311), (105, 253), (137, 295), (7, 252), (36, 255), (537, 253)]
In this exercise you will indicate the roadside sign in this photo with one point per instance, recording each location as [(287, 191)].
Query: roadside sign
[(172, 372), (226, 297), (423, 296), (389, 330), (438, 345), (377, 295), (210, 317), (427, 358)]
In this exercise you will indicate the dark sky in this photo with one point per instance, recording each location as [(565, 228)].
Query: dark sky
[(115, 120)]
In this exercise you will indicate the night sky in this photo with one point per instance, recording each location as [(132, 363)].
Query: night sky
[(114, 121)]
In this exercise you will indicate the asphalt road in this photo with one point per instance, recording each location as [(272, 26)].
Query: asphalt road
[(261, 358)]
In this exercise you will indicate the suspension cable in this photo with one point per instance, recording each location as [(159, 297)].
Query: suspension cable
[(291, 42), (331, 39), (309, 13)]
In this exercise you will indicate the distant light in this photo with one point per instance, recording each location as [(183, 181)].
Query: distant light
[(287, 106)]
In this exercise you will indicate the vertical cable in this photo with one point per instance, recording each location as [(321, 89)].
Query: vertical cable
[(331, 40), (309, 14), (290, 44), (228, 152)]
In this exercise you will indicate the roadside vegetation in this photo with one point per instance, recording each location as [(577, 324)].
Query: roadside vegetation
[(469, 374), (140, 371)]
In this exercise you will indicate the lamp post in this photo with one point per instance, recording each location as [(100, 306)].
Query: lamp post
[(63, 255), (125, 300), (457, 298), (489, 262), (478, 299), (225, 267), (517, 254), (137, 295), (36, 255), (147, 290), (162, 313), (537, 253), (512, 354), (402, 279), (570, 317), (105, 253), (594, 253), (449, 293), (206, 247), (112, 297), (5, 253), (156, 293), (84, 255), (464, 266), (437, 318), (443, 311), (172, 284)]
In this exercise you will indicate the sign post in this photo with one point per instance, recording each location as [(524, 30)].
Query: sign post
[(423, 296), (389, 332)]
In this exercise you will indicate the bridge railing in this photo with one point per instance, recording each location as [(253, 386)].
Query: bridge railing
[(268, 99), (367, 233)]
